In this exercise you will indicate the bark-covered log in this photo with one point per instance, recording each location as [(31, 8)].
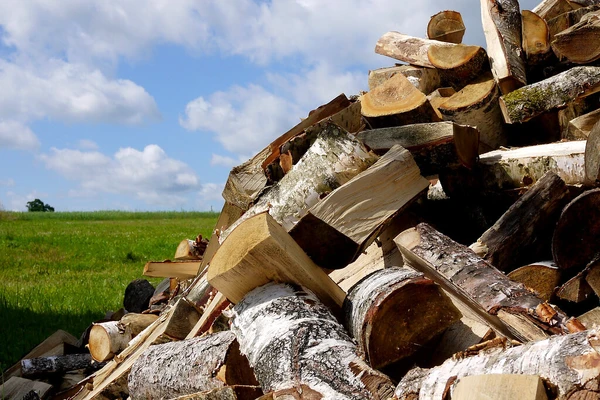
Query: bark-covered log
[(501, 21), (395, 311), (566, 363), (333, 159), (424, 79), (592, 154), (297, 348), (541, 277), (55, 364), (189, 366), (549, 9), (350, 217), (524, 233), (446, 26), (532, 100), (476, 282), (434, 146), (579, 44)]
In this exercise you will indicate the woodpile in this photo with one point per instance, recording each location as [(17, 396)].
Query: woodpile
[(435, 237)]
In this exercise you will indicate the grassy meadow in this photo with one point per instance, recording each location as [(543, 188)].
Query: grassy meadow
[(64, 270)]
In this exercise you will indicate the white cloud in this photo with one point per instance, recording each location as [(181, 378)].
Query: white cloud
[(149, 175), (86, 144), (209, 197), (18, 202), (15, 135)]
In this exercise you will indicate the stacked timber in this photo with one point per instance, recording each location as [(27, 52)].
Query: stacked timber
[(434, 237)]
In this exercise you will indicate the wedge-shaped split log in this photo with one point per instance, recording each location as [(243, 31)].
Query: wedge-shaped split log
[(579, 44), (500, 387), (541, 277), (549, 9), (186, 367), (259, 251), (425, 79), (569, 364), (297, 348), (393, 312), (349, 219), (568, 19), (506, 305)]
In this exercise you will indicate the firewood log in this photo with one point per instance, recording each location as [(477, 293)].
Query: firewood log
[(567, 363), (168, 269), (393, 312), (434, 146), (575, 290), (579, 44), (530, 101), (137, 295), (579, 128), (55, 364), (189, 366), (438, 97), (297, 348), (590, 319), (549, 9), (211, 312), (477, 104), (536, 38), (494, 297), (500, 387), (229, 214), (350, 217), (424, 79), (236, 392), (592, 276), (524, 232), (21, 388), (190, 250), (501, 20), (583, 3), (541, 277), (592, 154), (568, 19), (446, 26)]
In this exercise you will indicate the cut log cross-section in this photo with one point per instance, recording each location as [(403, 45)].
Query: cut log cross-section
[(541, 277), (579, 44), (566, 20), (425, 79), (350, 217), (394, 312), (592, 154), (536, 38), (446, 26), (299, 350)]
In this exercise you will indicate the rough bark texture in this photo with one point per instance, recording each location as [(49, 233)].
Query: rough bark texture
[(137, 295), (458, 269), (592, 154), (566, 363), (55, 364), (299, 349), (446, 26), (395, 311), (523, 233), (406, 48), (190, 366), (532, 100), (579, 43)]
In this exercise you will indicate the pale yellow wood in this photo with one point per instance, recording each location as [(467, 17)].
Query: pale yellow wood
[(17, 387), (258, 251), (591, 318), (168, 269), (215, 303), (500, 387), (185, 252)]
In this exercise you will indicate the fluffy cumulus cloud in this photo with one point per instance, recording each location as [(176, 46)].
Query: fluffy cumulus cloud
[(15, 135), (149, 175)]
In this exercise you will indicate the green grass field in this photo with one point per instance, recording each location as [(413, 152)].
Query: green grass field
[(65, 270)]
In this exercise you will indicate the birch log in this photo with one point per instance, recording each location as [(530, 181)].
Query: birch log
[(524, 232), (189, 366), (488, 291), (55, 364), (501, 20), (425, 79), (333, 159), (394, 312), (566, 363), (532, 100), (446, 26), (297, 348), (579, 44), (350, 218)]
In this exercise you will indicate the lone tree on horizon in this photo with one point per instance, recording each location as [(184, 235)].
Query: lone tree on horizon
[(38, 205)]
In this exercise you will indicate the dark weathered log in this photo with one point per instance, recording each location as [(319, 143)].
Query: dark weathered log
[(524, 233), (350, 217), (446, 26), (297, 348), (137, 295), (567, 363), (532, 100), (549, 9), (579, 44), (395, 311), (488, 291), (577, 233), (540, 277), (501, 21), (189, 366), (55, 364), (424, 79), (592, 154)]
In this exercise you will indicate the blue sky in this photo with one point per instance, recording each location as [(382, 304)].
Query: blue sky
[(147, 104)]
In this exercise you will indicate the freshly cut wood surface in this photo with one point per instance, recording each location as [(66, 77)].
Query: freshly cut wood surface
[(438, 97), (541, 277), (590, 319), (532, 100), (169, 269), (229, 214), (459, 337), (579, 128), (568, 19), (566, 362), (212, 310), (424, 79), (577, 233), (500, 387), (592, 154), (393, 312), (458, 64), (350, 217), (259, 251), (575, 290), (579, 44), (20, 388), (592, 275), (186, 250), (299, 350), (535, 36), (549, 9), (446, 26)]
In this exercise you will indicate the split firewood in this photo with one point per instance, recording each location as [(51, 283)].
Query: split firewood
[(583, 3), (434, 146), (212, 311), (590, 319), (566, 20), (438, 97), (524, 232), (394, 312), (191, 249), (109, 338), (229, 214), (396, 102), (541, 277), (189, 366), (572, 111), (477, 105), (579, 44), (592, 154), (350, 218), (501, 20), (170, 269), (297, 347), (425, 79), (536, 38), (500, 387), (185, 315), (592, 275), (568, 363), (333, 159), (506, 305), (579, 128), (532, 100), (577, 233), (575, 290), (446, 26), (55, 364), (549, 9), (259, 251), (21, 388)]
